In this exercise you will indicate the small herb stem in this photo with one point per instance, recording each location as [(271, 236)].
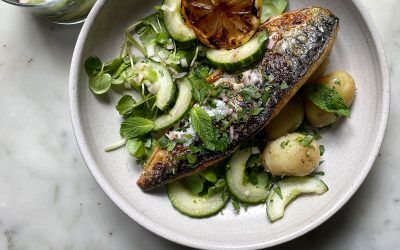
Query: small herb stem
[(116, 145), (135, 43), (196, 53), (133, 26)]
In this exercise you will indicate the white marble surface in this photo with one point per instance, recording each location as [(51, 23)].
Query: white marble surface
[(49, 200)]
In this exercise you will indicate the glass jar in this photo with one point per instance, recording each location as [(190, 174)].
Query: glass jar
[(57, 11)]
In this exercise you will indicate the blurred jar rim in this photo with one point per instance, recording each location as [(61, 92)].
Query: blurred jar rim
[(27, 4)]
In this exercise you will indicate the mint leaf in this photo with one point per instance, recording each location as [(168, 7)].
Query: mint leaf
[(327, 99), (265, 96), (125, 105), (271, 8), (93, 66), (136, 126), (194, 183), (201, 87), (203, 126)]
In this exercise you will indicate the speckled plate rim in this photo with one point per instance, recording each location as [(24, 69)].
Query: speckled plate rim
[(76, 65)]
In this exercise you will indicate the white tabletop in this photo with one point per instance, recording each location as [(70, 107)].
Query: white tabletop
[(49, 200)]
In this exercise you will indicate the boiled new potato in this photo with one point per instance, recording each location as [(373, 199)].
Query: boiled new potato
[(344, 84), (291, 155), (289, 119)]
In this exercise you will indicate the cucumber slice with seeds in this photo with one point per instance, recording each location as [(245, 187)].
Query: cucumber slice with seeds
[(292, 187), (193, 205), (158, 81), (245, 192), (182, 105), (243, 56), (179, 31)]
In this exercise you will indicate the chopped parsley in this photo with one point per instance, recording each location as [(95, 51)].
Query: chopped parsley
[(284, 85), (321, 150), (284, 144), (305, 141), (236, 205), (321, 173), (249, 93), (256, 111)]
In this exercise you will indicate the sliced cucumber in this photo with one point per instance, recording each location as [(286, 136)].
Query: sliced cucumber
[(158, 81), (174, 23), (193, 205), (290, 188), (182, 105), (240, 57), (245, 192)]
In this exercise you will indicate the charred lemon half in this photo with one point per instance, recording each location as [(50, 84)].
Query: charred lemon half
[(222, 24)]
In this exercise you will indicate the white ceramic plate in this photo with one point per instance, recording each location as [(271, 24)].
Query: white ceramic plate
[(352, 145)]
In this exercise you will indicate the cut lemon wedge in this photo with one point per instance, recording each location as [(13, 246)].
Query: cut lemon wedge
[(222, 24)]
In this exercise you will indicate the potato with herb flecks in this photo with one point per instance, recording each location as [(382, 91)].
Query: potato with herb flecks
[(291, 155), (344, 85), (288, 120)]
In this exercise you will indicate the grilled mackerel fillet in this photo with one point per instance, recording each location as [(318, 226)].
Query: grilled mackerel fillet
[(298, 43)]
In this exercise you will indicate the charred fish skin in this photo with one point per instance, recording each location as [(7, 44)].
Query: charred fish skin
[(299, 41)]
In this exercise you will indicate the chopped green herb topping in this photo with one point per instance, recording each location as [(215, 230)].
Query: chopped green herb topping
[(322, 173), (284, 144), (284, 85), (256, 111), (191, 158), (250, 93), (321, 150), (236, 205), (201, 87), (305, 141)]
